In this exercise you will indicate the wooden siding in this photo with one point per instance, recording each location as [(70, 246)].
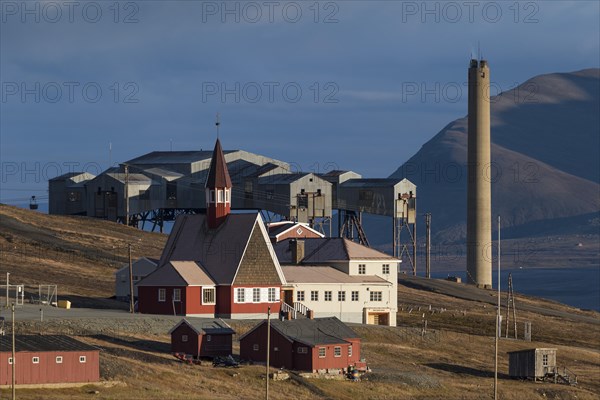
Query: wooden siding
[(257, 266), (47, 370), (200, 345)]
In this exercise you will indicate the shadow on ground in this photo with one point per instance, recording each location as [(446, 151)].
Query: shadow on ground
[(462, 370)]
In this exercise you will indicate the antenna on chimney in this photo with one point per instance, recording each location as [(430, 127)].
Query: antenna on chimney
[(217, 123)]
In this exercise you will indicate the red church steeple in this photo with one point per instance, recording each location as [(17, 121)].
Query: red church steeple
[(218, 189)]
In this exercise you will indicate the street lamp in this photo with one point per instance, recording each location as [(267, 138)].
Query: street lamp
[(7, 287)]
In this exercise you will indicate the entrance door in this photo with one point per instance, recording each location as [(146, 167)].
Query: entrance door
[(288, 297)]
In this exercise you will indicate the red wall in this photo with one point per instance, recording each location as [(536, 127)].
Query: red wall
[(288, 356), (193, 302), (48, 371), (219, 345)]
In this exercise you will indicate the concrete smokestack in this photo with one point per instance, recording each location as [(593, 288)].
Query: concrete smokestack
[(479, 188)]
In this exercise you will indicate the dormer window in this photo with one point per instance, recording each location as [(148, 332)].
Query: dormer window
[(220, 197)]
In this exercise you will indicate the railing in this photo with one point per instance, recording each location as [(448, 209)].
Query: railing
[(569, 376), (285, 307), (301, 308)]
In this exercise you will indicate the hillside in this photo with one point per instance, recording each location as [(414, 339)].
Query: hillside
[(545, 161), (453, 359), (78, 254)]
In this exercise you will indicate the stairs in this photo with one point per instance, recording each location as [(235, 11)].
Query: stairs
[(566, 377)]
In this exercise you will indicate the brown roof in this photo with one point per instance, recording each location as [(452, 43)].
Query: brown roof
[(324, 250), (305, 274), (218, 175), (178, 273), (219, 251)]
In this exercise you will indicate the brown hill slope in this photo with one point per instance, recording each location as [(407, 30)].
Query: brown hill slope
[(78, 254), (545, 159)]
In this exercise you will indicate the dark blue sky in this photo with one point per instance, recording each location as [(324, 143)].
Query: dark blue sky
[(355, 85)]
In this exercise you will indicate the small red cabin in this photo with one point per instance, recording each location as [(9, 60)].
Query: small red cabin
[(201, 338), (315, 345), (42, 359)]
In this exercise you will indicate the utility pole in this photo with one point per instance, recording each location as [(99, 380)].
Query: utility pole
[(131, 303), (126, 194), (428, 245), (14, 360), (7, 288), (268, 348), (497, 332)]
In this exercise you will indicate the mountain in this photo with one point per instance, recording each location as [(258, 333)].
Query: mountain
[(545, 168)]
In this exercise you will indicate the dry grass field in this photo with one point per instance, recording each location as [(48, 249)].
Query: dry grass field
[(454, 359)]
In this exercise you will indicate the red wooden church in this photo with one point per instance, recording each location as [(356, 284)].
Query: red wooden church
[(215, 265)]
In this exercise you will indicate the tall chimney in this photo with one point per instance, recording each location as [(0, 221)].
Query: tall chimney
[(297, 249), (479, 193)]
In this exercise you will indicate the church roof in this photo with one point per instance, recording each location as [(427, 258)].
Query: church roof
[(218, 175)]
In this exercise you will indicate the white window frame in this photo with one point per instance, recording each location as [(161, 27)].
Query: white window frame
[(385, 269), (272, 296), (255, 347), (256, 295), (240, 295), (177, 295), (82, 359), (302, 350), (214, 295), (337, 351), (10, 360), (227, 196), (350, 351), (322, 350), (355, 296), (59, 359), (184, 338), (300, 295), (328, 296), (35, 360), (376, 296), (362, 269), (341, 295), (220, 196), (162, 295), (314, 295)]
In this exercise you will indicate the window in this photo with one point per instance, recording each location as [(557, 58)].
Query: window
[(59, 359), (375, 296), (349, 351), (314, 295), (241, 295), (220, 196), (35, 360), (341, 295), (10, 360), (208, 295), (184, 338), (300, 295), (385, 269), (256, 295), (162, 294), (302, 350), (362, 269), (177, 295), (208, 338), (227, 191), (255, 347), (82, 359), (272, 295), (212, 196), (275, 348), (337, 351), (545, 360), (328, 295), (322, 352), (355, 295)]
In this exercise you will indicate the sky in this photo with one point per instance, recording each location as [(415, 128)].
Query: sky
[(356, 85)]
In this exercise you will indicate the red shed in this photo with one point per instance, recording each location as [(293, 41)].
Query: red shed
[(314, 345), (202, 338), (48, 359)]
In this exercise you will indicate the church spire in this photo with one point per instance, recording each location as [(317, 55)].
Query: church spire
[(218, 189)]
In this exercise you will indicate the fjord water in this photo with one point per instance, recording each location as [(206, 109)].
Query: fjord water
[(577, 287)]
